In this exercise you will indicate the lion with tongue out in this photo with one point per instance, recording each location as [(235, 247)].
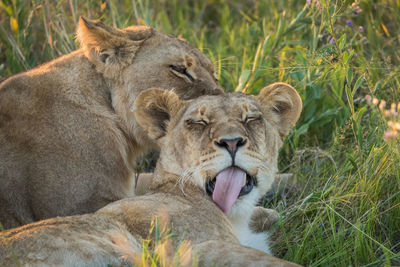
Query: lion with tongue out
[(227, 145), (218, 156)]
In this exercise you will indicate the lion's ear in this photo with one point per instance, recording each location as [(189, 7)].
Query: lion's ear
[(284, 104), (109, 47), (154, 109)]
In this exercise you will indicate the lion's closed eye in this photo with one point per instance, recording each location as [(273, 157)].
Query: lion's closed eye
[(191, 122), (252, 118), (181, 71)]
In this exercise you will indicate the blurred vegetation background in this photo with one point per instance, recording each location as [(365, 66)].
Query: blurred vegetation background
[(345, 208)]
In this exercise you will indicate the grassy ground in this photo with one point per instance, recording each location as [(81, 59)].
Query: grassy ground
[(346, 210)]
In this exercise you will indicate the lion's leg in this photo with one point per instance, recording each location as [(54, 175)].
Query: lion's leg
[(8, 221), (222, 253), (143, 183), (262, 219), (8, 218), (14, 209)]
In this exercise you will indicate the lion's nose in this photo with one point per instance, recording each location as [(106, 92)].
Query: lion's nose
[(231, 144)]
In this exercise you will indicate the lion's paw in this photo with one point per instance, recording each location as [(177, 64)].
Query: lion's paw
[(262, 219)]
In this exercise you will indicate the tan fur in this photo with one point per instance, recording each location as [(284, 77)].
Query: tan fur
[(68, 138), (261, 219), (188, 157)]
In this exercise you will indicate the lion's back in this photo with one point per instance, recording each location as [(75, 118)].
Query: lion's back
[(65, 241), (55, 136)]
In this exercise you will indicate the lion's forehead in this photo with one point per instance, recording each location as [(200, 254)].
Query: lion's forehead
[(138, 32), (178, 44), (229, 105)]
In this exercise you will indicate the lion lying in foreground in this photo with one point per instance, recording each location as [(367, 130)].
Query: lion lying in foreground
[(68, 139), (218, 155)]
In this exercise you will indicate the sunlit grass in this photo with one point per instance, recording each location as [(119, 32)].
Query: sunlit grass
[(347, 209), (158, 249)]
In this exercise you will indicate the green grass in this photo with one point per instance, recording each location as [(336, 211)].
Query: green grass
[(347, 209)]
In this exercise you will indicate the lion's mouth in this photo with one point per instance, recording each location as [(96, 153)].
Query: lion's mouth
[(228, 186)]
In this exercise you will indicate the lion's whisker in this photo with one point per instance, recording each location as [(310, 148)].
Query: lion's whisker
[(190, 173)]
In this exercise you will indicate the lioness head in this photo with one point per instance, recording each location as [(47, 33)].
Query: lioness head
[(141, 51), (226, 144), (140, 57)]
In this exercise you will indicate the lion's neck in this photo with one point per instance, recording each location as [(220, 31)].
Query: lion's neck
[(164, 181), (123, 97), (85, 85), (77, 78)]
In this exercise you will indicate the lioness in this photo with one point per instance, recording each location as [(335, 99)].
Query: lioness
[(67, 136), (218, 155)]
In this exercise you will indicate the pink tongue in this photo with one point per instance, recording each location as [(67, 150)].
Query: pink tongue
[(227, 188)]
